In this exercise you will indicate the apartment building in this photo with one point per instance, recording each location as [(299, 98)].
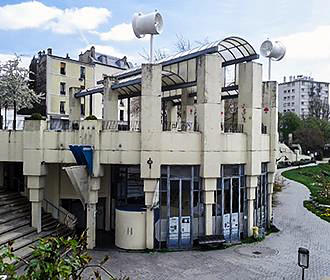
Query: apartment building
[(296, 94), (54, 75)]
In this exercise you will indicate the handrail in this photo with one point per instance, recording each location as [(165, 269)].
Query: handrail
[(68, 218)]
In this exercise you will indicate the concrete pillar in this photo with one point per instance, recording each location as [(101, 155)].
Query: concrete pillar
[(251, 185), (270, 119), (209, 84), (94, 187), (249, 115), (188, 111), (74, 105), (34, 166), (36, 185), (209, 187), (110, 101), (172, 115), (149, 188)]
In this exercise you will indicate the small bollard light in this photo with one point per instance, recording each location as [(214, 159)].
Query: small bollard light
[(303, 260)]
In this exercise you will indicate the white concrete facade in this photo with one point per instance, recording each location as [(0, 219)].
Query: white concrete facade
[(44, 152)]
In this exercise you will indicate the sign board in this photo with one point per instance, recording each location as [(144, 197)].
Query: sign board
[(173, 231)]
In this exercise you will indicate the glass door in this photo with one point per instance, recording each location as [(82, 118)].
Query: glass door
[(179, 213)]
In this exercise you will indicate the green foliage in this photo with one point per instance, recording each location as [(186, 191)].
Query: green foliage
[(312, 177), (53, 258), (310, 139), (35, 116), (288, 123), (91, 118)]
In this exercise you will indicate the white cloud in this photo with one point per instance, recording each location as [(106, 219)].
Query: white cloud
[(309, 45), (120, 32), (34, 14)]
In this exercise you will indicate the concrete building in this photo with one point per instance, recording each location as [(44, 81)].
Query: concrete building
[(54, 75), (296, 94), (177, 176)]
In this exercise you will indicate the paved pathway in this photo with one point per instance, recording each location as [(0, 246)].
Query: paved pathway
[(277, 261)]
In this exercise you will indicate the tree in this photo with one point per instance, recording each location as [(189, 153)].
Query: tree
[(14, 87), (310, 139), (53, 258), (288, 123)]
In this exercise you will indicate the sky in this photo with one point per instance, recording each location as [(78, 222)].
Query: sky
[(72, 26)]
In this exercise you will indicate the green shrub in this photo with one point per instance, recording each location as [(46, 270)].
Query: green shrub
[(36, 116), (91, 118)]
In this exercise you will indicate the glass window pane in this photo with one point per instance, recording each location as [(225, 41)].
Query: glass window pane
[(235, 192), (231, 170), (226, 196), (174, 199), (186, 194)]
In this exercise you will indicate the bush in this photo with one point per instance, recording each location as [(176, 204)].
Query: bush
[(36, 116), (91, 118)]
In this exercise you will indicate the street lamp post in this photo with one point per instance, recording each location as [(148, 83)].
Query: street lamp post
[(303, 260)]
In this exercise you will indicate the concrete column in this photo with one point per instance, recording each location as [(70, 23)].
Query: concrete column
[(36, 185), (270, 119), (209, 84), (209, 187), (249, 115), (251, 184), (110, 101), (149, 188), (74, 105), (91, 225), (188, 111)]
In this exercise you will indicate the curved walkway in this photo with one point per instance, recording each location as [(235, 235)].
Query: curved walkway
[(276, 256)]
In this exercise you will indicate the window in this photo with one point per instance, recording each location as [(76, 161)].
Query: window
[(293, 110), (302, 96), (62, 69), (82, 106), (284, 111), (284, 98), (302, 102), (284, 105), (62, 107), (288, 90), (121, 115), (82, 72), (285, 91), (292, 90), (62, 88), (302, 109), (292, 97), (292, 104)]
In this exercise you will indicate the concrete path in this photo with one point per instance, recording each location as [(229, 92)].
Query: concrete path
[(273, 258)]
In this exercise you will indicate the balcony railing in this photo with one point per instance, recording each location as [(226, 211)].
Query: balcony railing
[(180, 126), (232, 128), (121, 125)]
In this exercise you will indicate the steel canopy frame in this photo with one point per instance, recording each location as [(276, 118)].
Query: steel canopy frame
[(233, 50)]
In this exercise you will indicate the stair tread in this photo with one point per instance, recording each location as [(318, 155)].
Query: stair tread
[(12, 226), (4, 210), (13, 235), (10, 216)]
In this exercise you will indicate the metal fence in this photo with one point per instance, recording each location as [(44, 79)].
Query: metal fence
[(232, 127), (121, 125)]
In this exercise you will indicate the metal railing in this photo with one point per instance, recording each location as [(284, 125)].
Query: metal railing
[(180, 126), (62, 215), (232, 128), (121, 125)]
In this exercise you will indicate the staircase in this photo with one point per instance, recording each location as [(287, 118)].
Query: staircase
[(15, 213)]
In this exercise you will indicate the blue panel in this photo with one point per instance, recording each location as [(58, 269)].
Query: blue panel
[(88, 155), (83, 155)]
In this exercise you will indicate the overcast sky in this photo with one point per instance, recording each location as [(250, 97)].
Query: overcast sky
[(70, 26)]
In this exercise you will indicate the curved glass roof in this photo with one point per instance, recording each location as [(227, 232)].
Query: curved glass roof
[(179, 70)]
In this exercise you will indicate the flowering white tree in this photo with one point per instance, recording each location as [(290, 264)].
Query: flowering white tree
[(14, 87)]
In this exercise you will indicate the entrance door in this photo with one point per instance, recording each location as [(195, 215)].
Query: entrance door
[(179, 205), (231, 214)]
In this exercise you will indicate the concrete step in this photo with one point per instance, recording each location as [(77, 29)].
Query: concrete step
[(18, 233), (13, 201), (5, 209), (13, 225), (12, 216)]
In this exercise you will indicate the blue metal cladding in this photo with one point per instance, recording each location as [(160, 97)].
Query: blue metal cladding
[(83, 155)]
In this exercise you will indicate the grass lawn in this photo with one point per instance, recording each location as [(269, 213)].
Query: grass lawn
[(309, 176)]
